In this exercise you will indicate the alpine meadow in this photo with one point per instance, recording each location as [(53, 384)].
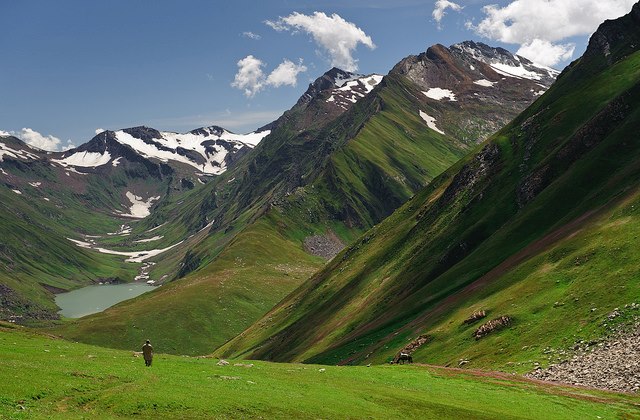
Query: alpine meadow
[(452, 234)]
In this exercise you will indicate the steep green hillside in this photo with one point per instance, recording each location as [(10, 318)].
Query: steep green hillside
[(37, 259), (43, 205), (537, 225), (44, 377), (332, 180)]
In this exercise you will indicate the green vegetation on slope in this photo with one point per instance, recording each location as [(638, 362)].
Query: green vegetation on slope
[(563, 294), (339, 178), (192, 317), (42, 206), (571, 154), (44, 377), (37, 259)]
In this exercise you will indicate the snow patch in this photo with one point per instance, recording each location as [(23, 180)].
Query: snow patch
[(8, 151), (371, 81), (156, 228), (124, 230), (17, 192), (484, 82), (133, 256), (85, 159), (351, 89), (69, 169), (139, 207), (115, 162), (35, 184), (46, 199), (155, 238), (339, 81), (213, 155), (431, 122), (439, 94), (512, 71)]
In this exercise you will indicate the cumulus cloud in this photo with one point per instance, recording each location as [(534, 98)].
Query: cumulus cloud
[(39, 141), (251, 35), (250, 76), (546, 53), (35, 139), (539, 26), (440, 8), (68, 146), (286, 73), (335, 36), (252, 79)]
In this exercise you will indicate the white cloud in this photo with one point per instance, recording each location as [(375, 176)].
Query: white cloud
[(546, 53), (35, 139), (539, 25), (68, 146), (100, 130), (441, 6), (334, 35), (252, 79), (286, 73), (251, 35)]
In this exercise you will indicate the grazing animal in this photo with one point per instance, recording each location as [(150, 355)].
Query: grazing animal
[(405, 357)]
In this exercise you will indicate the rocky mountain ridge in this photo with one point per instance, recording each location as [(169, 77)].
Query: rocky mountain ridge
[(467, 83)]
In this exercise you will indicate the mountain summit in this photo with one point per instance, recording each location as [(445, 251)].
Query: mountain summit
[(473, 88)]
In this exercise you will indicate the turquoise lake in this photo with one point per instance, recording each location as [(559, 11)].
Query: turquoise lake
[(92, 299)]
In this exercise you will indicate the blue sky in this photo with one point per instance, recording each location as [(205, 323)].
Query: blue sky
[(70, 67)]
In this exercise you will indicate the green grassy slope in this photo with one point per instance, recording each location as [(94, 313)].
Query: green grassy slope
[(44, 377), (338, 178), (43, 205), (562, 165), (36, 258)]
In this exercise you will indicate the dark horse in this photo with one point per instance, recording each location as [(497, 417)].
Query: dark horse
[(405, 357)]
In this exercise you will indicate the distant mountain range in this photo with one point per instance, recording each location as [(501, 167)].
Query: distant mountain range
[(352, 150)]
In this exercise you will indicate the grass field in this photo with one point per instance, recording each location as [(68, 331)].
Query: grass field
[(46, 377)]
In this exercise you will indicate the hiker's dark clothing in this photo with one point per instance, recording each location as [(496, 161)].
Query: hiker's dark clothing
[(147, 352)]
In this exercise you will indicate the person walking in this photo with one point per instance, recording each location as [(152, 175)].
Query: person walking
[(147, 352)]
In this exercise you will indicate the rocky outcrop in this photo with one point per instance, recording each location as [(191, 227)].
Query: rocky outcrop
[(474, 317), (325, 246), (585, 139), (491, 326), (612, 365), (617, 38), (472, 173), (414, 345)]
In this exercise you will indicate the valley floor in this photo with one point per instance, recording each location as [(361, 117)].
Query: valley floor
[(46, 377)]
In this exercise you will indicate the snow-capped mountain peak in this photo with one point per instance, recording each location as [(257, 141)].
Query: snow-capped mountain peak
[(208, 149), (341, 88), (349, 90), (505, 63), (13, 147)]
